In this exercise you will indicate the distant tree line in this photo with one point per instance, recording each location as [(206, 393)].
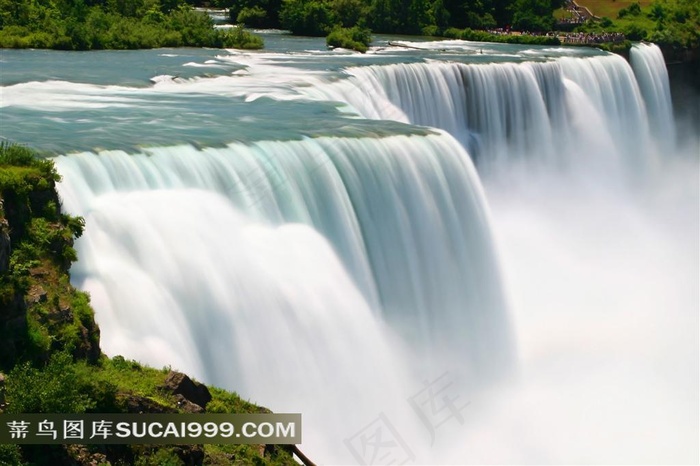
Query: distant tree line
[(428, 17), (112, 24)]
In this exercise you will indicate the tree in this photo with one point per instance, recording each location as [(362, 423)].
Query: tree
[(306, 17)]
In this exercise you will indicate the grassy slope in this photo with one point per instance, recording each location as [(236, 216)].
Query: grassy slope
[(672, 24), (610, 8)]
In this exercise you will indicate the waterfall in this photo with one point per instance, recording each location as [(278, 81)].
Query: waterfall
[(492, 109), (650, 70), (335, 271), (293, 262), (554, 112)]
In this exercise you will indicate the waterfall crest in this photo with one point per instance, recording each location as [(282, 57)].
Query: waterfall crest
[(548, 113), (406, 215)]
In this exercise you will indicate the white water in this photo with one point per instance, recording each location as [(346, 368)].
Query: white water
[(253, 299), (648, 64), (551, 113), (351, 271)]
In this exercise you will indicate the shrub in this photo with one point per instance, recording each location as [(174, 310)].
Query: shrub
[(633, 10), (239, 38), (355, 38), (10, 455), (606, 22), (635, 32), (252, 17), (52, 389), (483, 36), (430, 31), (14, 154), (306, 17)]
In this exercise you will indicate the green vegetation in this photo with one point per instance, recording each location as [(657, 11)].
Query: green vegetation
[(35, 267), (65, 385), (427, 17), (671, 23), (11, 455), (346, 22), (355, 38), (129, 24), (238, 38), (49, 342), (484, 36), (610, 8), (308, 18), (55, 388), (112, 24), (116, 385)]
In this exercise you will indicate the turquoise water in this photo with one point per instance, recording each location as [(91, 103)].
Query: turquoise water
[(513, 228), (72, 101)]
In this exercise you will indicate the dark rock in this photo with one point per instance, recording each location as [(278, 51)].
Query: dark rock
[(187, 406), (89, 345), (181, 384), (39, 272), (37, 294), (139, 404), (64, 314), (82, 455)]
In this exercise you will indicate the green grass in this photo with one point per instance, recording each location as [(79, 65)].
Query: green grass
[(610, 8), (131, 377), (642, 21), (561, 13), (123, 377)]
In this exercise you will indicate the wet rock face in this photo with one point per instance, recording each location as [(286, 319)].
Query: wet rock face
[(140, 404), (181, 384)]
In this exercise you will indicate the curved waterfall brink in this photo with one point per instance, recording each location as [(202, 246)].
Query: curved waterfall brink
[(495, 109), (405, 215), (555, 112)]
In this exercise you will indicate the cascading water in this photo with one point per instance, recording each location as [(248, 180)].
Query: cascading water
[(650, 71), (252, 290), (534, 110), (410, 225), (294, 245)]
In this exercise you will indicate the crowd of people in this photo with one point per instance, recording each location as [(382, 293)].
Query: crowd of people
[(568, 37), (591, 37)]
